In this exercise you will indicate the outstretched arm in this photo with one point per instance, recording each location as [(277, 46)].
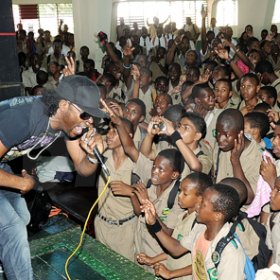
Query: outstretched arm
[(171, 244)]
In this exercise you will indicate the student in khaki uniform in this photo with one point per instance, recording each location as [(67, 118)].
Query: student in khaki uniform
[(273, 224), (235, 155), (191, 129), (204, 105), (166, 170), (191, 190), (116, 222), (220, 203)]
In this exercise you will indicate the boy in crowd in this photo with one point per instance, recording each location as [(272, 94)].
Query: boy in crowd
[(190, 196), (191, 129), (249, 87), (235, 155), (256, 127), (268, 94), (223, 94), (220, 204), (204, 105)]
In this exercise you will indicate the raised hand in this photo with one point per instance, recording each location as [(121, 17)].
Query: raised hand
[(268, 171), (69, 69), (149, 211), (141, 192), (89, 140), (120, 188), (162, 271), (239, 145), (144, 259)]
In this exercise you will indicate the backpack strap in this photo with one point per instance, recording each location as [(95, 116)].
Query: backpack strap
[(172, 195)]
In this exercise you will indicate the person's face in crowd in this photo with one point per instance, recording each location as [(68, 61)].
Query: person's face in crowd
[(112, 138), (205, 212), (115, 71), (188, 21), (267, 47), (188, 197), (159, 31), (254, 57), (145, 80), (248, 130), (188, 131), (262, 94), (161, 104), (184, 46), (249, 30), (225, 136), (222, 92), (276, 141), (174, 73), (160, 53), (88, 67), (162, 173), (57, 47), (275, 196), (248, 88), (275, 50), (217, 74), (191, 75), (35, 63), (84, 52), (264, 34), (142, 60), (213, 22), (132, 112), (206, 99), (190, 57), (161, 87), (47, 36), (254, 46), (53, 68), (274, 29)]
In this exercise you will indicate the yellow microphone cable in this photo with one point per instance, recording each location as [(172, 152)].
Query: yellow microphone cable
[(84, 229)]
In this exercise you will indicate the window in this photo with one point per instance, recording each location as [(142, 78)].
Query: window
[(276, 14), (227, 12), (48, 17), (142, 11)]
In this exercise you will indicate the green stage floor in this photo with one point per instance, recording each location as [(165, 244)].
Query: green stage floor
[(51, 247)]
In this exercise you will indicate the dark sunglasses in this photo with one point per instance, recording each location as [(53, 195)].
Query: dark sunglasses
[(83, 115)]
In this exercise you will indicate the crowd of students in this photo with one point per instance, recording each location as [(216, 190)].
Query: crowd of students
[(192, 145)]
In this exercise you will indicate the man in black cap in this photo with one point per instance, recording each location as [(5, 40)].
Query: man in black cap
[(31, 123)]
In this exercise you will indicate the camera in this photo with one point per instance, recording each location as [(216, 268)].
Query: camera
[(161, 126)]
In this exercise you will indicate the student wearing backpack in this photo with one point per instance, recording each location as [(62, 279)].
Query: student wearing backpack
[(166, 170), (251, 233), (190, 195), (220, 204)]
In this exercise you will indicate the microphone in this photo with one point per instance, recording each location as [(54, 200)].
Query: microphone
[(100, 159)]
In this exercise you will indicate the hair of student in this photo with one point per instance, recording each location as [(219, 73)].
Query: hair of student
[(227, 201), (270, 91), (146, 71), (186, 84), (174, 113), (110, 78), (260, 121), (262, 107), (264, 66), (239, 186), (226, 81), (140, 104), (163, 79), (174, 157), (251, 76), (223, 68), (42, 77), (197, 121), (167, 97), (201, 180), (175, 65), (252, 40), (198, 88), (233, 118), (211, 65)]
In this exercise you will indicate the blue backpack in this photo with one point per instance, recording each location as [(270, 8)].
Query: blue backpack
[(249, 270)]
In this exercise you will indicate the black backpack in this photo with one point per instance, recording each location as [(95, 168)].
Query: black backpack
[(261, 259)]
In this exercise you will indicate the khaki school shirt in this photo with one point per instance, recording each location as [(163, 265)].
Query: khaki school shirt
[(183, 228), (250, 160), (146, 242), (232, 258)]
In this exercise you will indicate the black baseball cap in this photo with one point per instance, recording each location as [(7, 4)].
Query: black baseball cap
[(83, 92)]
